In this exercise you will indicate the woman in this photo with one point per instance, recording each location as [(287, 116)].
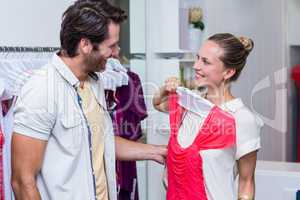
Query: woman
[(219, 62)]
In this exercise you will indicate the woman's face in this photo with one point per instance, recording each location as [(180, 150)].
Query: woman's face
[(209, 69)]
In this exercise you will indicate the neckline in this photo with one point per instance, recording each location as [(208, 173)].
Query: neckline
[(232, 105), (206, 121)]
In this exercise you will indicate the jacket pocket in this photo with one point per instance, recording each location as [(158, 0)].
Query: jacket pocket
[(71, 134)]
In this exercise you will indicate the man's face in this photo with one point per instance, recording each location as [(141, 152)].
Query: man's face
[(96, 60)]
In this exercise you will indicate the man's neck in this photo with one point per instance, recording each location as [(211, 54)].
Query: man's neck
[(76, 66)]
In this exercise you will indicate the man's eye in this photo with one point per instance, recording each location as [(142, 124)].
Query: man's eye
[(115, 46)]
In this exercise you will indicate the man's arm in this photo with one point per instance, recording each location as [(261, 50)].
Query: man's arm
[(246, 167), (27, 158), (129, 150)]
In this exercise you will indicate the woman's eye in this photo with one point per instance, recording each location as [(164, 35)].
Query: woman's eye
[(205, 61)]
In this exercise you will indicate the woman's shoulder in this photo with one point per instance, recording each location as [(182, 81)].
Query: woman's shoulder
[(248, 128), (242, 114)]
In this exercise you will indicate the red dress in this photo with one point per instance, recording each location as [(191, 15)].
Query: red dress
[(185, 172)]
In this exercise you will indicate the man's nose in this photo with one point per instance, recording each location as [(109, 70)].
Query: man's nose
[(116, 52)]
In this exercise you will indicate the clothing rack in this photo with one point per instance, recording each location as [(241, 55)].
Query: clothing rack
[(9, 49)]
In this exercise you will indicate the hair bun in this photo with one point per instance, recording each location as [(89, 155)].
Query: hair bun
[(247, 43)]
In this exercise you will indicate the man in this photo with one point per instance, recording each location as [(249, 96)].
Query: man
[(63, 146)]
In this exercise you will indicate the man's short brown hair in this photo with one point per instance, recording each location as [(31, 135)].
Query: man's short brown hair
[(88, 19)]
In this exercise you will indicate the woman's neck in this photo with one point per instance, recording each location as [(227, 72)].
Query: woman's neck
[(219, 95)]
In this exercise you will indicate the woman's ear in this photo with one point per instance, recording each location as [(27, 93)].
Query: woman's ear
[(230, 72)]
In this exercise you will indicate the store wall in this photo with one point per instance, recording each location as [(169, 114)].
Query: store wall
[(262, 84), (124, 34), (31, 22)]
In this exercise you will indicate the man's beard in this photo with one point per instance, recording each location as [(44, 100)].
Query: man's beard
[(95, 63)]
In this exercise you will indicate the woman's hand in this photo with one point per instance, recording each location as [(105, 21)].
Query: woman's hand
[(171, 84), (160, 99)]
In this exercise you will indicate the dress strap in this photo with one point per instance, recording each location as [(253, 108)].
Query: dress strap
[(175, 113)]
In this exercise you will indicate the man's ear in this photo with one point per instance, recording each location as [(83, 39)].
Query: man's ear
[(85, 46), (230, 72)]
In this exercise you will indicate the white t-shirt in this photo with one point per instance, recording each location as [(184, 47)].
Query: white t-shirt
[(219, 166)]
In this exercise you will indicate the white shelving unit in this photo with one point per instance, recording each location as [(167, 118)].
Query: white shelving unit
[(137, 18), (137, 30), (170, 24), (293, 22)]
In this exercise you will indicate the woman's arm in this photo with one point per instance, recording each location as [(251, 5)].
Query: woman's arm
[(160, 99), (246, 167)]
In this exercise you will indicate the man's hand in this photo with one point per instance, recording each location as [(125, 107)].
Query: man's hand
[(129, 150), (159, 153)]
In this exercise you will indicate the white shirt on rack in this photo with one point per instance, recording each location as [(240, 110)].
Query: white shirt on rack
[(115, 75), (6, 124)]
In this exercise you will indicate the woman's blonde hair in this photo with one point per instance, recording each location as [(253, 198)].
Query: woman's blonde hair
[(235, 51)]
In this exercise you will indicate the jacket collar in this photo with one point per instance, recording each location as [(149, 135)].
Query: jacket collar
[(70, 77), (233, 105)]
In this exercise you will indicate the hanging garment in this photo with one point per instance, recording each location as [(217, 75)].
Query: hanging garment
[(115, 64), (115, 75), (185, 167), (7, 128), (131, 108), (6, 121), (6, 106), (15, 71), (17, 68), (295, 75), (2, 188), (130, 111)]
